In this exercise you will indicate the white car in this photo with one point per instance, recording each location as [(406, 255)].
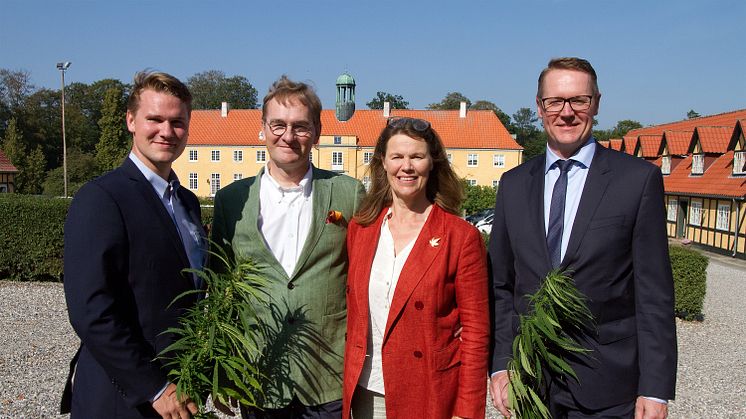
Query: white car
[(485, 225)]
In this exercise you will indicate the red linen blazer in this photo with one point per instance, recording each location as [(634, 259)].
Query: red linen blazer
[(427, 372)]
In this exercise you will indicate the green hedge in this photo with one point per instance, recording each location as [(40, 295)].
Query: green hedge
[(690, 282), (31, 238)]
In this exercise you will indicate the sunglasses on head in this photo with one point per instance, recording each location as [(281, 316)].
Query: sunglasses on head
[(419, 125)]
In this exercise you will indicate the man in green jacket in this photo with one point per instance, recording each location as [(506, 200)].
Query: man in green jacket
[(291, 218)]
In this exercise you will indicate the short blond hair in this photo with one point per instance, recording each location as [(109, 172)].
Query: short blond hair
[(159, 82)]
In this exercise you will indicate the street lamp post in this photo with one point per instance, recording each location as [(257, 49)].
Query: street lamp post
[(62, 67)]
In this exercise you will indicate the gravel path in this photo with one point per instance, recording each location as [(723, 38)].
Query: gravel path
[(36, 343)]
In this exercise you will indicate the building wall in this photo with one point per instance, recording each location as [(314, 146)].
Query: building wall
[(682, 225), (484, 173)]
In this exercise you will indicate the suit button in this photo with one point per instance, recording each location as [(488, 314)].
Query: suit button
[(418, 305), (291, 285), (417, 354), (291, 319)]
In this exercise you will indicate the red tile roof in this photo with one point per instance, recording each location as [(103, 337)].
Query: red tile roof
[(678, 141), (650, 145), (727, 119), (5, 165), (480, 129), (716, 181), (738, 132), (713, 139), (604, 143), (616, 144), (630, 143)]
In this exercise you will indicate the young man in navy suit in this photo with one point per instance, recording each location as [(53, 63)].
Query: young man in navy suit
[(128, 237), (599, 214)]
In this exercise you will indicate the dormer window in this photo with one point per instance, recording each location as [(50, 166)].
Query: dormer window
[(666, 165), (739, 160), (698, 164)]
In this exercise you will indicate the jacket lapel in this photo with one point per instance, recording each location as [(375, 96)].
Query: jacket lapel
[(535, 224), (322, 194), (598, 179), (418, 263), (145, 189), (251, 213)]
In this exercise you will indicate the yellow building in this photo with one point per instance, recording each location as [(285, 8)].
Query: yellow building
[(228, 145)]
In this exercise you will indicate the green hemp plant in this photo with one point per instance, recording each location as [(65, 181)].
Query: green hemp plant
[(216, 350), (543, 343)]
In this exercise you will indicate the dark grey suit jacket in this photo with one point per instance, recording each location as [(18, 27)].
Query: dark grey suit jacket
[(618, 253)]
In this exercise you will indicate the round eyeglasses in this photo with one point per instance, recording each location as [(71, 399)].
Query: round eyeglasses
[(279, 128)]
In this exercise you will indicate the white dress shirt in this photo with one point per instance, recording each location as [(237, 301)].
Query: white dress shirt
[(575, 183), (384, 275), (285, 217)]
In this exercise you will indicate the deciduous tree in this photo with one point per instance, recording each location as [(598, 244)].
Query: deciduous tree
[(486, 105), (112, 146), (396, 101), (210, 88), (451, 101)]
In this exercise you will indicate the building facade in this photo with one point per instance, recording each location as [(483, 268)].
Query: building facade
[(7, 174)]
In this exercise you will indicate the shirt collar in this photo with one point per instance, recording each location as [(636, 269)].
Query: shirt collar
[(159, 184), (584, 155), (304, 184)]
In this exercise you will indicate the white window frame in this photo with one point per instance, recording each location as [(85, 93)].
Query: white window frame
[(214, 183), (698, 164), (739, 159), (193, 181), (498, 160), (337, 140), (722, 221), (193, 155), (695, 213), (495, 184), (472, 160), (237, 176), (471, 182), (450, 157), (366, 182), (367, 157), (237, 156), (666, 165), (215, 155), (337, 161), (261, 156), (673, 206)]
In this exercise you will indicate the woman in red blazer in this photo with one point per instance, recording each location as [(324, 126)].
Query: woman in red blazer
[(417, 319)]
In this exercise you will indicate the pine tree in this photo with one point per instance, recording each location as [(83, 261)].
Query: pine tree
[(15, 150), (34, 172), (111, 148)]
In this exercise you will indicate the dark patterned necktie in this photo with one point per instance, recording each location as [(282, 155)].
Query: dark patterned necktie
[(557, 213)]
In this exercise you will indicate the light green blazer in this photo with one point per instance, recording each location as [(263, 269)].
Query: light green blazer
[(306, 316)]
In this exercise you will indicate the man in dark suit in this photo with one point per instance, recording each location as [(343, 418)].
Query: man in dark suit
[(600, 215), (129, 235)]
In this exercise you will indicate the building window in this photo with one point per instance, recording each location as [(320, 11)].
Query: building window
[(238, 155), (215, 155), (366, 182), (214, 183), (698, 164), (498, 160), (472, 160), (695, 213), (471, 182), (723, 218), (672, 205), (495, 183), (310, 156), (193, 181), (337, 140), (337, 161), (237, 176), (739, 160), (261, 156), (450, 157), (192, 155), (666, 165), (367, 157)]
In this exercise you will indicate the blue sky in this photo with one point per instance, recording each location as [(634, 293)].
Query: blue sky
[(656, 59)]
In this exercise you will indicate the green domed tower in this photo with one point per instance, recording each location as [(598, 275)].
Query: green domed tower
[(345, 97)]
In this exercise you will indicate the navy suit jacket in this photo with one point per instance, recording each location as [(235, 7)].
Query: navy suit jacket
[(123, 268), (618, 255)]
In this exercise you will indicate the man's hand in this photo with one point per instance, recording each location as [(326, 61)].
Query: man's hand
[(650, 409), (499, 392), (169, 406)]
